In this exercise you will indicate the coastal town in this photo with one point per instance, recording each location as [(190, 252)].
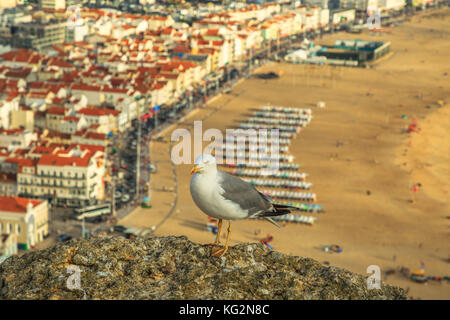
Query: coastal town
[(88, 88)]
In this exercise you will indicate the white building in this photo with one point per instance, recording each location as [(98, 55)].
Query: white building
[(73, 177), (26, 218), (342, 16), (10, 3), (71, 124), (7, 106), (324, 18), (53, 4), (391, 4), (93, 93), (16, 138), (77, 33), (101, 116), (128, 108)]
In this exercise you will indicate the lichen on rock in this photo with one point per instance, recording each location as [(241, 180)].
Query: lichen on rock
[(176, 268)]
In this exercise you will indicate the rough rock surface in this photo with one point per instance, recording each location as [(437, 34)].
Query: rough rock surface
[(176, 268)]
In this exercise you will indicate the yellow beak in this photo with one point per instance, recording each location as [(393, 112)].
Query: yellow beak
[(195, 169)]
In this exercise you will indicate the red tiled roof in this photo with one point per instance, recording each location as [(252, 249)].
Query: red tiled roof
[(21, 162), (20, 152), (60, 63), (114, 90), (38, 94), (167, 31), (90, 147), (43, 149), (17, 204), (21, 55), (57, 110), (70, 118), (160, 18), (36, 85), (10, 131), (98, 112), (84, 87), (52, 160), (18, 73), (94, 135)]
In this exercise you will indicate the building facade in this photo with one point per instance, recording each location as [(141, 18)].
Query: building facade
[(52, 4), (38, 34), (73, 178), (26, 218)]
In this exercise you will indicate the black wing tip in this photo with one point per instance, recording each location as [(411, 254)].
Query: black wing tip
[(279, 210), (283, 206)]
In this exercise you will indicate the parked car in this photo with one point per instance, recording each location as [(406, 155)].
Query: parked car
[(119, 228), (64, 237)]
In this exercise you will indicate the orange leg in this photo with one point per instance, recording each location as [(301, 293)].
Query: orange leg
[(219, 228), (220, 252), (217, 241)]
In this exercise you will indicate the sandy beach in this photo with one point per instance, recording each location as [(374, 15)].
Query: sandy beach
[(357, 143)]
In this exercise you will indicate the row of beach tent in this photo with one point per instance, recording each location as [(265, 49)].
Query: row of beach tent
[(269, 172), (282, 122), (276, 134), (279, 115), (285, 110), (272, 183), (252, 148), (280, 128), (298, 218), (242, 157), (277, 174), (260, 164), (305, 207), (285, 118), (259, 140), (302, 196)]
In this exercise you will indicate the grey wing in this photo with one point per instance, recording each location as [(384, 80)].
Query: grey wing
[(244, 194)]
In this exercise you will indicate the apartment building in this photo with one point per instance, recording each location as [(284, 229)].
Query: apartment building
[(52, 4), (8, 184), (10, 3), (7, 106), (386, 5), (22, 118), (342, 16), (39, 34), (102, 116), (155, 22), (16, 138), (25, 218), (54, 118), (72, 177)]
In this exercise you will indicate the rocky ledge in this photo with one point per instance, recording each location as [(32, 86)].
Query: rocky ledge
[(176, 268)]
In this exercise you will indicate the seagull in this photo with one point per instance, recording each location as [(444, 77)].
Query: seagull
[(226, 197)]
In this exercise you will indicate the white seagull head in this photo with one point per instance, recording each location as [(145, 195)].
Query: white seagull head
[(204, 163)]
